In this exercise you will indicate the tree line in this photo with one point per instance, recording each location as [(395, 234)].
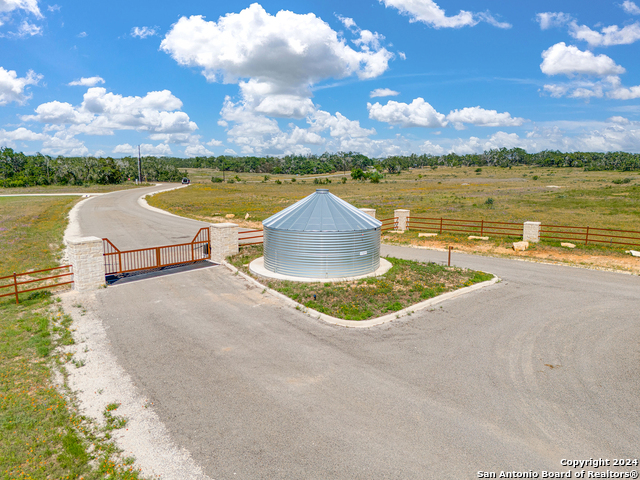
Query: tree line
[(349, 161), (20, 170)]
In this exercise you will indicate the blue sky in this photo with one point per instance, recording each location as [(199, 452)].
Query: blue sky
[(380, 77)]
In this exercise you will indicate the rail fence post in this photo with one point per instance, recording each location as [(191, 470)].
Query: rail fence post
[(482, 227), (586, 238), (15, 286), (440, 225)]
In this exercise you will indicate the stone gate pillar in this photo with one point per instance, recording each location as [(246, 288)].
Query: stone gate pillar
[(369, 211), (86, 256), (403, 219), (224, 240), (531, 232)]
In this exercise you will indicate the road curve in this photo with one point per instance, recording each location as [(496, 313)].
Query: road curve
[(118, 217), (542, 366)]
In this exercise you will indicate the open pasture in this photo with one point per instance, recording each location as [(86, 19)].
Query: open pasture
[(565, 196)]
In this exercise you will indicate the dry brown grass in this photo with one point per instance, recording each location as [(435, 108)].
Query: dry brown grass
[(585, 198)]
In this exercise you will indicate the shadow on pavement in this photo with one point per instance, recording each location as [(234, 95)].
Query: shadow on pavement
[(123, 278)]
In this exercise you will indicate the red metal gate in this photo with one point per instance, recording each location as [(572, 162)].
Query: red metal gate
[(117, 261)]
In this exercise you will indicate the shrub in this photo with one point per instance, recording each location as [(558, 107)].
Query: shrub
[(535, 177), (620, 181), (375, 177), (489, 202), (216, 179), (278, 182), (478, 170), (344, 180)]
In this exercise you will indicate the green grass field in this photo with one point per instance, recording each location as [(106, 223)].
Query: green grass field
[(42, 436), (519, 194)]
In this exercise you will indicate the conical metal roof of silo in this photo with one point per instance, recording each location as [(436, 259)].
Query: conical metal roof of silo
[(321, 212)]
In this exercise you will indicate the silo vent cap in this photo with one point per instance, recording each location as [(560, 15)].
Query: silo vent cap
[(322, 190)]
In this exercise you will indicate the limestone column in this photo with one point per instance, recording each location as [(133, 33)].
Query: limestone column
[(224, 240), (403, 219), (86, 256), (531, 232)]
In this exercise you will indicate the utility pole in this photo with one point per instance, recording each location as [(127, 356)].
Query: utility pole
[(139, 166)]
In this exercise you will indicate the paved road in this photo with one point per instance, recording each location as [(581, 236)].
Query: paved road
[(542, 366), (118, 217)]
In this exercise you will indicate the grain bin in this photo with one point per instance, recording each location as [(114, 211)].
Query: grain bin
[(321, 236)]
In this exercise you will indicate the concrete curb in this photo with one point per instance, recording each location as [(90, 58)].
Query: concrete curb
[(364, 323), (143, 203)]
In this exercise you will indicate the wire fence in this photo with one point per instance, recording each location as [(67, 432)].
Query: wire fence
[(16, 281)]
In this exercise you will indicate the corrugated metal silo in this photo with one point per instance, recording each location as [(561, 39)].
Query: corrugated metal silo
[(321, 236)]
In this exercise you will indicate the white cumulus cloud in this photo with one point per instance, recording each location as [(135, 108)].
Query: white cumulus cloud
[(418, 113), (146, 149), (102, 113), (258, 134), (607, 36), (30, 6), (87, 82), (431, 149), (22, 134), (197, 151), (275, 59), (570, 60), (625, 93), (553, 19), (630, 7), (484, 118), (383, 92), (12, 87), (27, 29), (610, 86), (428, 12)]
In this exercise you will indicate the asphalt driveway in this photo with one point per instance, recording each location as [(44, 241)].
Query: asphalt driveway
[(542, 366)]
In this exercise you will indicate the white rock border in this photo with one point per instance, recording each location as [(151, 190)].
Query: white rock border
[(364, 323)]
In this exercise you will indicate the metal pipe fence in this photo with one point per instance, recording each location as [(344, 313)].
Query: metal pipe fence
[(15, 284), (587, 235), (389, 224), (480, 228), (246, 235), (117, 261)]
